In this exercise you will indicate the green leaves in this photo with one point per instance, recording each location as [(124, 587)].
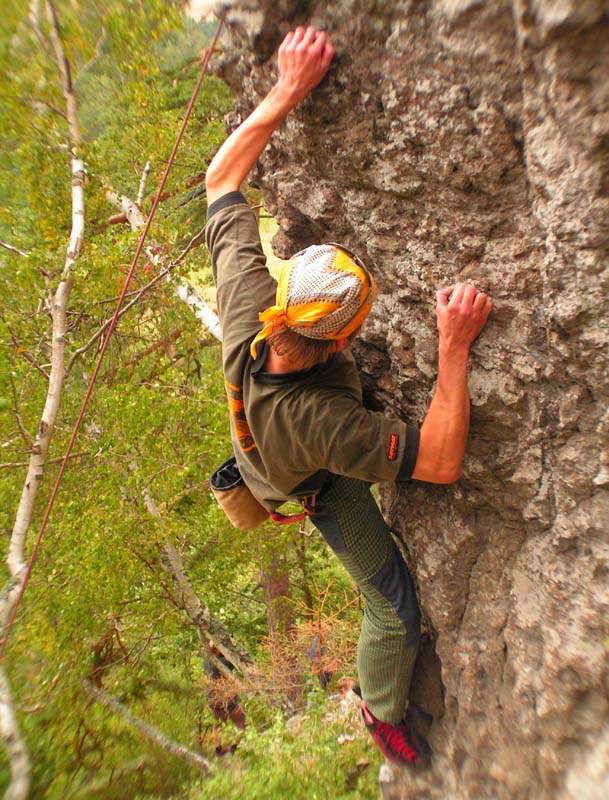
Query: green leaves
[(159, 399), (99, 604)]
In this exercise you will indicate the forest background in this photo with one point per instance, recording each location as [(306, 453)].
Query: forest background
[(138, 568)]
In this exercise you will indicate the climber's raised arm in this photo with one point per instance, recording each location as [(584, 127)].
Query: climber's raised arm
[(303, 59)]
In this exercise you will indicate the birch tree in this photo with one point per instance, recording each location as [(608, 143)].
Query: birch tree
[(57, 301), (101, 605), (43, 127)]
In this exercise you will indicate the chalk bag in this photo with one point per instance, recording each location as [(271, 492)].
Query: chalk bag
[(235, 499)]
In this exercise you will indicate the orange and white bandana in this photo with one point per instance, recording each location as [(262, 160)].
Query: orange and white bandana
[(324, 292)]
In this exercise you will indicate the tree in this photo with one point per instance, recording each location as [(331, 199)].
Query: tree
[(85, 45), (120, 597)]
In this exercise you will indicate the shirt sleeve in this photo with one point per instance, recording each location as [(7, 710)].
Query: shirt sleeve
[(366, 444), (244, 284)]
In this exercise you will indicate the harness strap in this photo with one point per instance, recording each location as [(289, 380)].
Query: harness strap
[(285, 519), (308, 508)]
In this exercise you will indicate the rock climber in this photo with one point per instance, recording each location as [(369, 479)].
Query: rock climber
[(298, 425)]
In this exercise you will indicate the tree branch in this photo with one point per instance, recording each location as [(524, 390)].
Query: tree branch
[(98, 53), (195, 180), (16, 400), (14, 249), (15, 464), (182, 289), (21, 351), (36, 103), (164, 742), (188, 294), (138, 295), (132, 211), (208, 627), (143, 181)]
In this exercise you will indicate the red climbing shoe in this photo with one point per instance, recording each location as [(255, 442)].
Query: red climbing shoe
[(398, 743)]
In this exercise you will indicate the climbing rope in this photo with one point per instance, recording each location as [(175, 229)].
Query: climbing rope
[(109, 332)]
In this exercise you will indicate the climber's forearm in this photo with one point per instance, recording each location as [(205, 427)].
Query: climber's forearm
[(303, 59), (446, 424), (234, 160)]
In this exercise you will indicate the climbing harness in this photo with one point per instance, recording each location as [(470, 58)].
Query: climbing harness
[(28, 570), (308, 508)]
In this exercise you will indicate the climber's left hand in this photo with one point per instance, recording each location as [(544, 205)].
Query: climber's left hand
[(303, 59)]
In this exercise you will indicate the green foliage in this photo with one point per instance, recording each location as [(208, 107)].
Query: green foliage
[(302, 760), (99, 604)]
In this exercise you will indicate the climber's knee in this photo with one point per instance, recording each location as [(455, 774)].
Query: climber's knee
[(394, 583)]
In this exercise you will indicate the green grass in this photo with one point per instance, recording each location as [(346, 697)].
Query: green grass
[(298, 760)]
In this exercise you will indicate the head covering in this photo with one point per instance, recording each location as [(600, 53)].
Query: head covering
[(324, 292)]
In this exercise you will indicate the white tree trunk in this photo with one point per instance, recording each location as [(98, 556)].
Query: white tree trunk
[(207, 626), (144, 180), (15, 746), (23, 517)]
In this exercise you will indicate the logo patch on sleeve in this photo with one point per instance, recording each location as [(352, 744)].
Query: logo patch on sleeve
[(394, 442)]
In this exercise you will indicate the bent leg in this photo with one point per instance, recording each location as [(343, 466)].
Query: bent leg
[(352, 524)]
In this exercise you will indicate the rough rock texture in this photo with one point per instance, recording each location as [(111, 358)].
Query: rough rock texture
[(451, 140)]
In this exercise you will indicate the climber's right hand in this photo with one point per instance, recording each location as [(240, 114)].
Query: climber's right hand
[(303, 59), (462, 312)]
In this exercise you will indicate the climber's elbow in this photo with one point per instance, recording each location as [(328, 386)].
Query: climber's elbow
[(215, 177), (434, 466), (439, 475), (451, 476)]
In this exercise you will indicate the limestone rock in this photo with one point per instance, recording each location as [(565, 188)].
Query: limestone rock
[(469, 139)]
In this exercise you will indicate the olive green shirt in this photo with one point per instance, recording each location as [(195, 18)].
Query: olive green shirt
[(290, 430)]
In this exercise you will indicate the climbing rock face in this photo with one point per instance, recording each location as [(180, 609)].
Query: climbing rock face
[(468, 140)]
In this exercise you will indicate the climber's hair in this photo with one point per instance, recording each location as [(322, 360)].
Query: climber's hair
[(300, 349), (304, 351)]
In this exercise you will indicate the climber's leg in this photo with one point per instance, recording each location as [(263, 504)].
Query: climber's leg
[(352, 524)]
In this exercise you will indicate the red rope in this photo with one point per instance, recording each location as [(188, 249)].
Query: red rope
[(109, 332)]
